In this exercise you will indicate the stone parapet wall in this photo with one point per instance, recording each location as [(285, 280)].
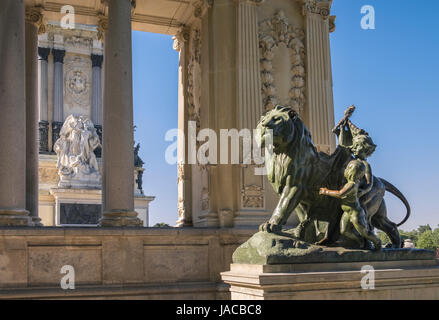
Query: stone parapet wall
[(118, 263)]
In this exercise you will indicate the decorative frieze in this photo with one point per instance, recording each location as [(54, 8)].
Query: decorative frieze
[(272, 33)]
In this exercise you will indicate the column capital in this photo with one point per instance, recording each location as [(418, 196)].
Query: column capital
[(102, 26), (181, 37), (43, 53), (58, 55), (34, 15), (96, 60), (319, 7), (201, 7)]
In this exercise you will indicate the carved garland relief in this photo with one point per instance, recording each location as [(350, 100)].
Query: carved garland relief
[(273, 34)]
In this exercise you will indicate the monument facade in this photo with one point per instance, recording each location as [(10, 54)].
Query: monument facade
[(70, 128)]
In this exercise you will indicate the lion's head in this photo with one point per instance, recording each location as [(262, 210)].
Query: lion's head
[(280, 123)]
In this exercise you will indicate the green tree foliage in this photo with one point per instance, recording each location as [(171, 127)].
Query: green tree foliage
[(428, 240), (422, 229), (161, 225), (423, 238)]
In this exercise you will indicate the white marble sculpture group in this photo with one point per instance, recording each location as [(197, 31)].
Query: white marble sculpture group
[(77, 165)]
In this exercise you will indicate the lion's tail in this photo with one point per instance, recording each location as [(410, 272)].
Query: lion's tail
[(394, 190)]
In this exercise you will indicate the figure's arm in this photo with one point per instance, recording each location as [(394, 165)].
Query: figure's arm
[(340, 194)]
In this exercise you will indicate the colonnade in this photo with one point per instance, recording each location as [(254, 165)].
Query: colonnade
[(20, 120)]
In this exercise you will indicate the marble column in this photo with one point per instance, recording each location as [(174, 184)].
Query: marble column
[(13, 118), (96, 100), (58, 93), (44, 94), (320, 106), (118, 134), (34, 18)]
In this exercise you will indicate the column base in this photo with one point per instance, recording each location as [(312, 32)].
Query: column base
[(183, 223), (37, 222), (120, 218), (15, 218)]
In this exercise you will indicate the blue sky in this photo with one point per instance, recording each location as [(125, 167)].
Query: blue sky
[(390, 74)]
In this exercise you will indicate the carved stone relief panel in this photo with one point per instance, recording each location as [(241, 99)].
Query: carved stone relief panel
[(282, 44), (77, 85)]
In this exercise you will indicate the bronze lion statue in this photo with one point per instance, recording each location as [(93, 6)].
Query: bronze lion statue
[(296, 171)]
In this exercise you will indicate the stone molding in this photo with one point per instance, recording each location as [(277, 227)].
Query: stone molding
[(272, 33), (35, 16)]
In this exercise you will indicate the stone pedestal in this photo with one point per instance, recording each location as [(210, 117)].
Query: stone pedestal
[(406, 279)]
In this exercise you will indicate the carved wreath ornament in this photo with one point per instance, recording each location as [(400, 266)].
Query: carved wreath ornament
[(272, 33)]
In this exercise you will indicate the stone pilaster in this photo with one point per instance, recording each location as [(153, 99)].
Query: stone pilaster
[(249, 79), (34, 18), (320, 104), (118, 134), (181, 44), (249, 102), (96, 100), (13, 119)]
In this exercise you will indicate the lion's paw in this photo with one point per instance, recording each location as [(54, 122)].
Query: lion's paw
[(269, 227)]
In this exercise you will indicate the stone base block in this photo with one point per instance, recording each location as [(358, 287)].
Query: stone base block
[(120, 219), (11, 218), (394, 280)]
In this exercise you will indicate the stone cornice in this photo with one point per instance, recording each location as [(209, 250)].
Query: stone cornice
[(35, 16)]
